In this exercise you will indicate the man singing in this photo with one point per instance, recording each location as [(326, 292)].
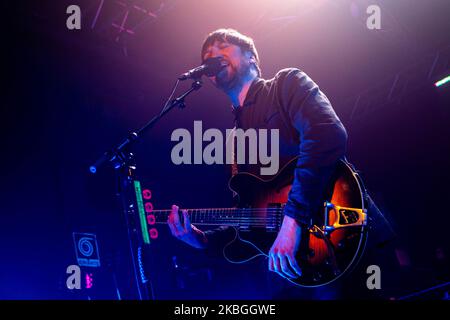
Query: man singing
[(308, 128)]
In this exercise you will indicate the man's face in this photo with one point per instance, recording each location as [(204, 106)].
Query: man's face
[(237, 64)]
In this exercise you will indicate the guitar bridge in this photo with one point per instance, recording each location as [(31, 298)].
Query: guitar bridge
[(345, 217)]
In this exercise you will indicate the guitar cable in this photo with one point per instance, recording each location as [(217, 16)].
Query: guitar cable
[(236, 236), (251, 258), (169, 100)]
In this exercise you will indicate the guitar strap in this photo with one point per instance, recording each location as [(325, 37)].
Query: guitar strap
[(232, 135)]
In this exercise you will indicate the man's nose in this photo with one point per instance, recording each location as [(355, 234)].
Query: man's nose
[(216, 52)]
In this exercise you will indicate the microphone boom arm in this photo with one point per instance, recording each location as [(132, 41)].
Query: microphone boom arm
[(124, 162)]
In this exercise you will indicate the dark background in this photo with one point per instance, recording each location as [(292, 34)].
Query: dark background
[(69, 95)]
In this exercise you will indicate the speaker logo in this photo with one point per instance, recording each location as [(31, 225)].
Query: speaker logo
[(86, 249)]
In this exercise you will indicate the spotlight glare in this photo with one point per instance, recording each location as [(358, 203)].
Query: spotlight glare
[(442, 82)]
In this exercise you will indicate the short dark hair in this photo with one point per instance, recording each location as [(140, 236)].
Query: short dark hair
[(234, 37)]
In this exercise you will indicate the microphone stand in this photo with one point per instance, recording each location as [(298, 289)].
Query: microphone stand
[(123, 161)]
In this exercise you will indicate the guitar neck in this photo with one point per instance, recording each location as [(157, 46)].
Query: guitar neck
[(237, 217)]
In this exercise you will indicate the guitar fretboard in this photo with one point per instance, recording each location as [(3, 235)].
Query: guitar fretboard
[(238, 217)]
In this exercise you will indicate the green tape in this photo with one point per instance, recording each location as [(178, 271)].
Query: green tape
[(142, 217)]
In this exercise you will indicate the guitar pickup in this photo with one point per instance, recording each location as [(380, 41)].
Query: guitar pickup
[(345, 217)]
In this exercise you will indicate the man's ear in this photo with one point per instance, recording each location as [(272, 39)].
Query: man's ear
[(251, 57)]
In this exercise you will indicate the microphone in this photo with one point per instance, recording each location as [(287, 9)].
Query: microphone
[(211, 67)]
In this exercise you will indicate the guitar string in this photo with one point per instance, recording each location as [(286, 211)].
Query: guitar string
[(204, 219), (217, 219), (224, 212), (243, 215), (273, 214), (220, 209), (222, 215), (225, 215)]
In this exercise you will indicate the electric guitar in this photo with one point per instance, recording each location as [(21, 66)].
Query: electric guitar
[(330, 247)]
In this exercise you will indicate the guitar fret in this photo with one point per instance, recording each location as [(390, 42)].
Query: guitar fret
[(240, 217)]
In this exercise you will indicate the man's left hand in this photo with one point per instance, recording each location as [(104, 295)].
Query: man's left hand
[(282, 254)]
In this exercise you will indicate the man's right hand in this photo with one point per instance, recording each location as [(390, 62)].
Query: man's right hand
[(186, 231)]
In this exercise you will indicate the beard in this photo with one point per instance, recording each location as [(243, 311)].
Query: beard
[(231, 77)]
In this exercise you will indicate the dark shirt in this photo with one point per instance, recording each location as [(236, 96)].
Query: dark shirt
[(308, 128)]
